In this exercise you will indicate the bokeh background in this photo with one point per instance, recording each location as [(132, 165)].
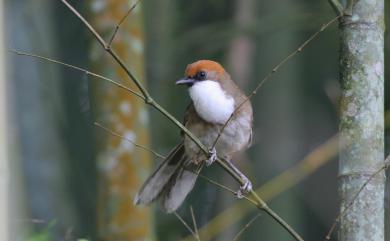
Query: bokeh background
[(71, 179)]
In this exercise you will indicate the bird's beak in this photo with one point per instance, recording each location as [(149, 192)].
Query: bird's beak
[(185, 81)]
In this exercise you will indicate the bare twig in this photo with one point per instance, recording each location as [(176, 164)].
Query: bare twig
[(341, 214), (337, 6), (225, 188), (127, 139), (237, 236), (187, 226), (349, 8), (107, 47), (273, 71), (87, 72), (273, 187), (122, 20), (161, 156), (194, 223)]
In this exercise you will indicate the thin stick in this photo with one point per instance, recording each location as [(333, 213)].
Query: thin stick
[(349, 8), (194, 223), (246, 227), (186, 225), (273, 187), (337, 6), (122, 20), (337, 220), (87, 72), (161, 156), (273, 71), (226, 188), (109, 50), (127, 139)]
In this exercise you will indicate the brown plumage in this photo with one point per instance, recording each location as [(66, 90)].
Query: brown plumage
[(214, 98)]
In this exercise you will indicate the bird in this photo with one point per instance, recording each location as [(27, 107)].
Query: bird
[(215, 99)]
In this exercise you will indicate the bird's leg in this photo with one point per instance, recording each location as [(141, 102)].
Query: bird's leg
[(212, 156), (246, 187)]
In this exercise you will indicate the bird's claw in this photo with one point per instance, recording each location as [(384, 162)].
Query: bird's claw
[(244, 188), (212, 156)]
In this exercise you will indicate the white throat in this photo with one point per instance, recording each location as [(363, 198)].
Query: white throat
[(211, 102)]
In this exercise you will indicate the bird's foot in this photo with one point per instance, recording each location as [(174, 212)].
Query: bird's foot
[(245, 188), (212, 156)]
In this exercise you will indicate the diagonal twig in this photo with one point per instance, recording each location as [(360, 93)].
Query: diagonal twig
[(341, 214), (273, 187), (87, 72), (194, 223), (223, 187), (337, 6), (127, 139), (186, 225), (122, 20), (273, 71), (237, 236)]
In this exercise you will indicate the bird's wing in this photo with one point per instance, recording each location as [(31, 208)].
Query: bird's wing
[(189, 111), (160, 177)]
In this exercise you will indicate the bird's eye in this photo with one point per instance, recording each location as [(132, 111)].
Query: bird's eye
[(201, 75)]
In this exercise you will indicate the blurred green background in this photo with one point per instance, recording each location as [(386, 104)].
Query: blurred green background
[(66, 182)]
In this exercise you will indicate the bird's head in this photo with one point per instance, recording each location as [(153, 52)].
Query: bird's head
[(202, 70)]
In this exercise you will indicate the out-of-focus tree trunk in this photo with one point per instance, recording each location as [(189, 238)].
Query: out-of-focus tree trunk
[(160, 43), (362, 127), (240, 56), (240, 66), (4, 171), (36, 100), (278, 127), (121, 166)]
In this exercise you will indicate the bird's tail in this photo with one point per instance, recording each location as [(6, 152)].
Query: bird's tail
[(171, 182)]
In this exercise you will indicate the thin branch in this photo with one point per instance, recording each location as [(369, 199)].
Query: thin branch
[(163, 157), (87, 72), (273, 71), (246, 227), (273, 187), (337, 220), (194, 223), (109, 50), (349, 8), (122, 20), (337, 6), (127, 139), (187, 226), (226, 188)]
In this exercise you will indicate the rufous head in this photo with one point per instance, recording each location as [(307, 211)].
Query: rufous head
[(202, 70)]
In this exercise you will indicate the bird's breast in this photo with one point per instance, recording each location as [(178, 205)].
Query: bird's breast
[(211, 103)]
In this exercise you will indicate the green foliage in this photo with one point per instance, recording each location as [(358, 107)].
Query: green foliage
[(43, 235)]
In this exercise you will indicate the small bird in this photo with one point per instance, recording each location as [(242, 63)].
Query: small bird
[(215, 98)]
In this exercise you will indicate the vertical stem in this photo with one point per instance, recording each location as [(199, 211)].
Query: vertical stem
[(3, 141), (361, 126)]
